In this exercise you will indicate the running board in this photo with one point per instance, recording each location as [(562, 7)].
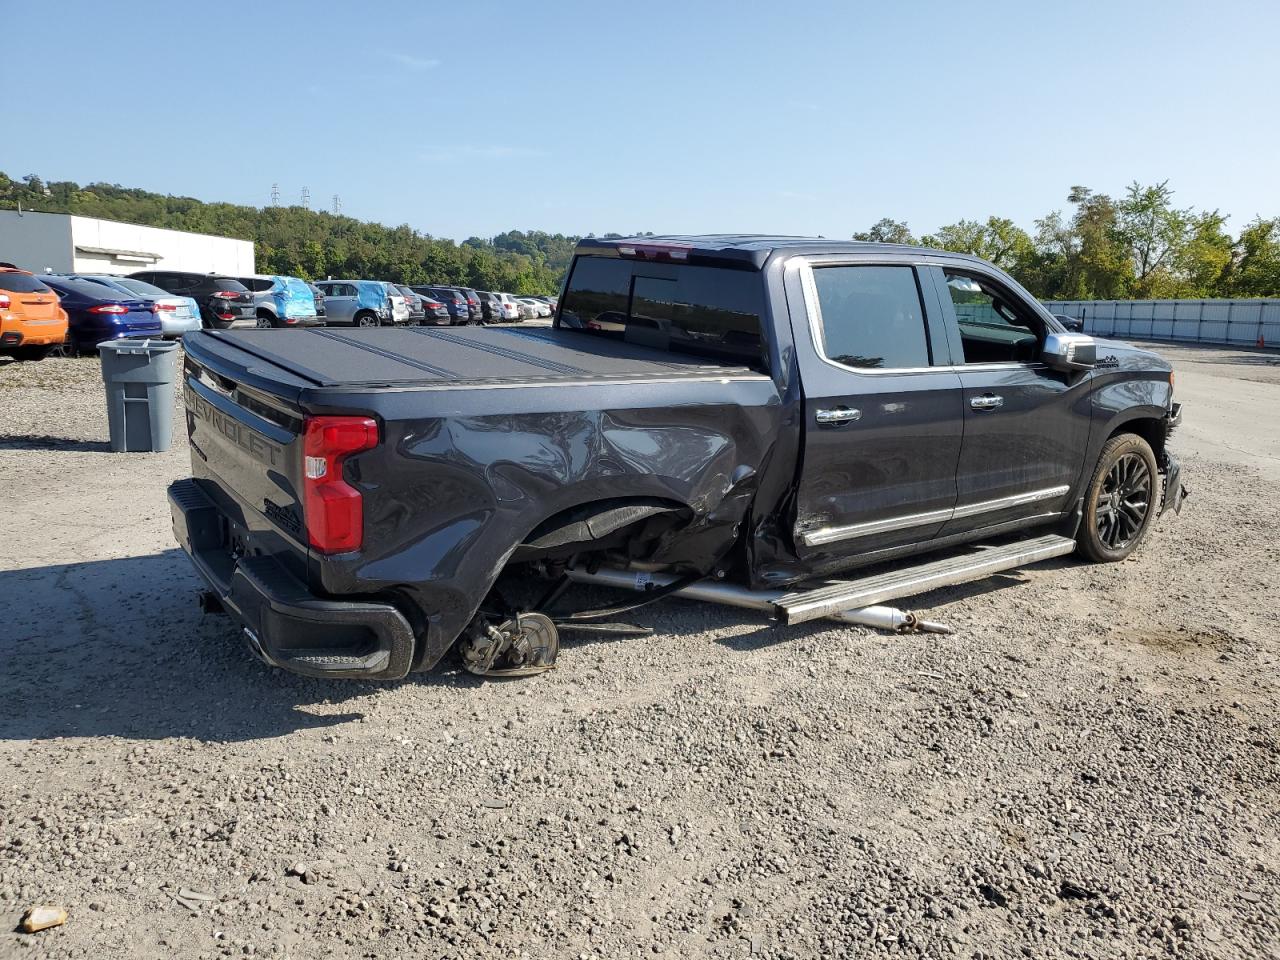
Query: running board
[(905, 582)]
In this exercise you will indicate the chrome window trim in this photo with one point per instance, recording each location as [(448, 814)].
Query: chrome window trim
[(813, 311), (824, 535)]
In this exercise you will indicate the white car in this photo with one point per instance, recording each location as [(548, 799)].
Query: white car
[(399, 305), (502, 302), (540, 308)]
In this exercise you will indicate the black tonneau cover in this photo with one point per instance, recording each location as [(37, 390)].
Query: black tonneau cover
[(403, 356)]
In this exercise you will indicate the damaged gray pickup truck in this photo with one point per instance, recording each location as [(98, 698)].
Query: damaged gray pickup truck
[(754, 414)]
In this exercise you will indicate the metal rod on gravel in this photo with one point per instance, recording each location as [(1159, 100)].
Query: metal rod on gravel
[(883, 618)]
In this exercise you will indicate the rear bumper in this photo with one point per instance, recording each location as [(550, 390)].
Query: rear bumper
[(32, 333), (174, 327), (282, 621), (92, 336)]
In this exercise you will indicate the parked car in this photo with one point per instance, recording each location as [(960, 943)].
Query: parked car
[(526, 308), (360, 303), (455, 303), (32, 321), (473, 303), (281, 301), (223, 300), (498, 307), (435, 312), (399, 305), (417, 312), (777, 411), (97, 312), (318, 297), (540, 308), (178, 315)]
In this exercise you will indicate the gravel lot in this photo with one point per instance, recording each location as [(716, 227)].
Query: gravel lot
[(1087, 768)]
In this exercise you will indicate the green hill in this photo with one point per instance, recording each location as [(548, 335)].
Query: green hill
[(310, 244)]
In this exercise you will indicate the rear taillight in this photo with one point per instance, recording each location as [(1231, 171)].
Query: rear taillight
[(334, 509), (109, 308), (5, 302), (163, 307), (227, 294)]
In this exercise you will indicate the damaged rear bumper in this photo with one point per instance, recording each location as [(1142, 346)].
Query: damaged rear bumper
[(281, 620)]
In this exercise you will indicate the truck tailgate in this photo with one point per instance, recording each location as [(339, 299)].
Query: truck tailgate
[(245, 432)]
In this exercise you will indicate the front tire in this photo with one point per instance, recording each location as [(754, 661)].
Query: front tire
[(1121, 501), (266, 321)]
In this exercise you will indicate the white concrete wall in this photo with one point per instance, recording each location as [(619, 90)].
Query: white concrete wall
[(36, 240), (175, 250)]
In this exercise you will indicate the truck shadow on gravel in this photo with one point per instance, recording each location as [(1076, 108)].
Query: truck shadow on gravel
[(41, 442), (119, 648)]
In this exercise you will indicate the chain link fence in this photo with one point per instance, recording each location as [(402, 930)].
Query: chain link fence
[(1236, 322)]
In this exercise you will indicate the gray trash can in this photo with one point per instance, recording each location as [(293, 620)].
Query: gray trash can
[(139, 376)]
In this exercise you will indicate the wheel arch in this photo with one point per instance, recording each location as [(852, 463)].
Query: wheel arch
[(1146, 422)]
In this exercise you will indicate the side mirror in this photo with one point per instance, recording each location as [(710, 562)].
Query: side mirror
[(1070, 351)]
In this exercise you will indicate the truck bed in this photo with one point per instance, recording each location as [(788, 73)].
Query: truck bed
[(426, 356)]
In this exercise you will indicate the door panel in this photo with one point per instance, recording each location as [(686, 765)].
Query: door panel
[(880, 445), (1024, 438), (1026, 426)]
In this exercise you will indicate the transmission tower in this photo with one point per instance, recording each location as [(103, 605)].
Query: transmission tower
[(306, 198), (337, 205), (275, 194)]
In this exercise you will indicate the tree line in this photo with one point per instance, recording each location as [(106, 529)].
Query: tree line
[(295, 241), (1138, 246)]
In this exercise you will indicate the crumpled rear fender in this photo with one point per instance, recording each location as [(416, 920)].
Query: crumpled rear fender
[(447, 500)]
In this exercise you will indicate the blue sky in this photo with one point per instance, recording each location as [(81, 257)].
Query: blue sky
[(470, 118)]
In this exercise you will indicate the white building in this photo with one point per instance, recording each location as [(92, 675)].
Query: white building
[(69, 244)]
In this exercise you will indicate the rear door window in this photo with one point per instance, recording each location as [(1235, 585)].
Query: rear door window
[(872, 317), (704, 311), (21, 283)]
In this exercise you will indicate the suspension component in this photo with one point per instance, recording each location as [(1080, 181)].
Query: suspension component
[(525, 645)]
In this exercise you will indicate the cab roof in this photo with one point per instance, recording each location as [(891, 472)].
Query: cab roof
[(753, 250)]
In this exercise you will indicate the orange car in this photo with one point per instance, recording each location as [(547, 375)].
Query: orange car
[(32, 322)]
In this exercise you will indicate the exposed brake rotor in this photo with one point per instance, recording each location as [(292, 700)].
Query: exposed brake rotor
[(523, 646)]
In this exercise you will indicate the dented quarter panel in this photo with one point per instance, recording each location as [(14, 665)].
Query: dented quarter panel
[(448, 497)]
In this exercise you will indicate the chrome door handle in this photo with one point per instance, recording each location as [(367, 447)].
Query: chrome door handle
[(987, 402), (839, 415)]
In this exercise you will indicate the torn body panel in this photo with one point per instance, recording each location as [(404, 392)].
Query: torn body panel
[(449, 500)]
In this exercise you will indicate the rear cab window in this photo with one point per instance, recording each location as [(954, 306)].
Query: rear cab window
[(227, 283), (712, 312)]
